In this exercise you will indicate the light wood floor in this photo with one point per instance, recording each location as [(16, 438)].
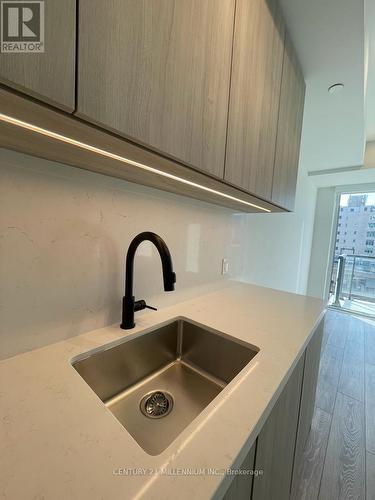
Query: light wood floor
[(339, 458)]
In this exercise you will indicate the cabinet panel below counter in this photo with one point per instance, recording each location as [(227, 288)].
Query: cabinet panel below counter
[(277, 452)]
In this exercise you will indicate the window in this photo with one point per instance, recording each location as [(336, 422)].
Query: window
[(355, 235)]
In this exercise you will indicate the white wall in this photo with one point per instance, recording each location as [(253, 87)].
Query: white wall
[(279, 245), (321, 254), (369, 161), (64, 233)]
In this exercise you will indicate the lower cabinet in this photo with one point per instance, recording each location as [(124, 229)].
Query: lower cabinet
[(310, 379), (279, 447), (276, 442), (241, 486)]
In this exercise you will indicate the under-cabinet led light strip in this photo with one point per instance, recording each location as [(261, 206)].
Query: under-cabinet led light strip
[(108, 154)]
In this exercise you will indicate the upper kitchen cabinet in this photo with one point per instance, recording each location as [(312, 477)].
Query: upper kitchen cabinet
[(158, 72), (254, 95), (292, 100), (47, 30)]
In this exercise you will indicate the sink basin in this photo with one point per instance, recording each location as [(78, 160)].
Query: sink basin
[(156, 383)]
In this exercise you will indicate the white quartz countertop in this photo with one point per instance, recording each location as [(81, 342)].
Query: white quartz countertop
[(58, 440)]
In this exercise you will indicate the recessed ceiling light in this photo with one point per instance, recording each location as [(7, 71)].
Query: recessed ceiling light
[(335, 88)]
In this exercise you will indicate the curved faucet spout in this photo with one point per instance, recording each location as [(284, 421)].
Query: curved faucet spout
[(129, 305)]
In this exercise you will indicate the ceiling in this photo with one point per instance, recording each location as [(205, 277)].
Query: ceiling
[(330, 39)]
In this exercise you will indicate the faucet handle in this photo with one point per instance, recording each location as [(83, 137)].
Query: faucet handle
[(141, 304), (150, 307)]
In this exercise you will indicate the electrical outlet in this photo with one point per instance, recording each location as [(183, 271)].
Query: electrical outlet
[(224, 266)]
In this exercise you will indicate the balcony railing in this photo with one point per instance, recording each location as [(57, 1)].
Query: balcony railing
[(355, 278)]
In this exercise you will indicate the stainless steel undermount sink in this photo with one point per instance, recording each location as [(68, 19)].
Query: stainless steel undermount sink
[(155, 384)]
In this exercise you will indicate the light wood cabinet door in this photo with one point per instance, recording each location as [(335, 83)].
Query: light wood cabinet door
[(157, 72), (48, 76), (254, 95), (241, 486), (276, 443), (310, 379), (289, 129)]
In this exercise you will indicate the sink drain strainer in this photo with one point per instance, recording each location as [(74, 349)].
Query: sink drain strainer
[(156, 404)]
